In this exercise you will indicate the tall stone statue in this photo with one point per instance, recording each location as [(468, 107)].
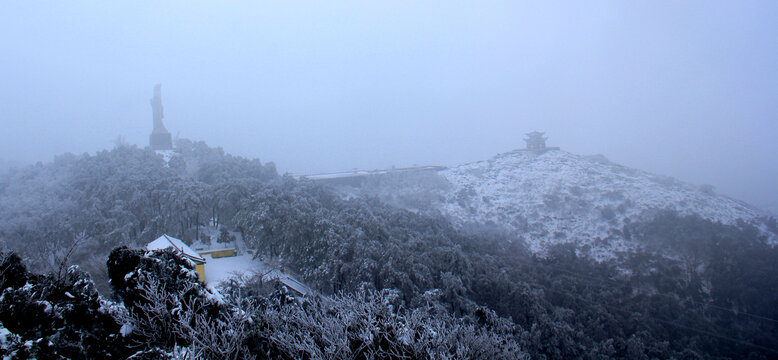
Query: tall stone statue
[(160, 138), (157, 109)]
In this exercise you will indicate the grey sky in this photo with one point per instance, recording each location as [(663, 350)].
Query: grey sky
[(687, 89)]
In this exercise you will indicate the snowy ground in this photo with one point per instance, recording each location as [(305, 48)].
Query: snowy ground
[(167, 155), (220, 269)]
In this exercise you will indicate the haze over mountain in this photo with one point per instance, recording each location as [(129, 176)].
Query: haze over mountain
[(680, 89)]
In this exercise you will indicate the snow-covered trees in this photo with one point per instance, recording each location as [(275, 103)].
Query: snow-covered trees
[(372, 324), (567, 306), (164, 312), (225, 236), (56, 316), (120, 197), (472, 291)]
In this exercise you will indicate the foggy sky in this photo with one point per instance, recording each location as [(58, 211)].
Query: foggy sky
[(686, 89)]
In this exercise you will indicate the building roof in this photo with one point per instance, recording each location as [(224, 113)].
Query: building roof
[(535, 135), (165, 241), (295, 285)]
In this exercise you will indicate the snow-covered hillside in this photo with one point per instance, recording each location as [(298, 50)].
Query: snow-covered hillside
[(558, 197)]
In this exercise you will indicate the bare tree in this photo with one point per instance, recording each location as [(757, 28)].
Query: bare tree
[(173, 319)]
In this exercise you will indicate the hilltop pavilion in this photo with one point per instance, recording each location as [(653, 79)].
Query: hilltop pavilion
[(536, 141)]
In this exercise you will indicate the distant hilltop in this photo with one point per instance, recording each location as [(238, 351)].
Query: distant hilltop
[(549, 197)]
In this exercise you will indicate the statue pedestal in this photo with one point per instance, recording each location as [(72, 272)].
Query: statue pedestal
[(161, 141)]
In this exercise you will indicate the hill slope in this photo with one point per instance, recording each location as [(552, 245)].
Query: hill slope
[(558, 197)]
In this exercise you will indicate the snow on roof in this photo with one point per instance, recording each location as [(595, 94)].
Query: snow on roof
[(295, 285), (165, 241)]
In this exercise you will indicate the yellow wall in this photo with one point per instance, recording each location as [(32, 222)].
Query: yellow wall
[(200, 270), (219, 253)]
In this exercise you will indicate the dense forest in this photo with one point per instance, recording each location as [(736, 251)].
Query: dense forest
[(391, 283)]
